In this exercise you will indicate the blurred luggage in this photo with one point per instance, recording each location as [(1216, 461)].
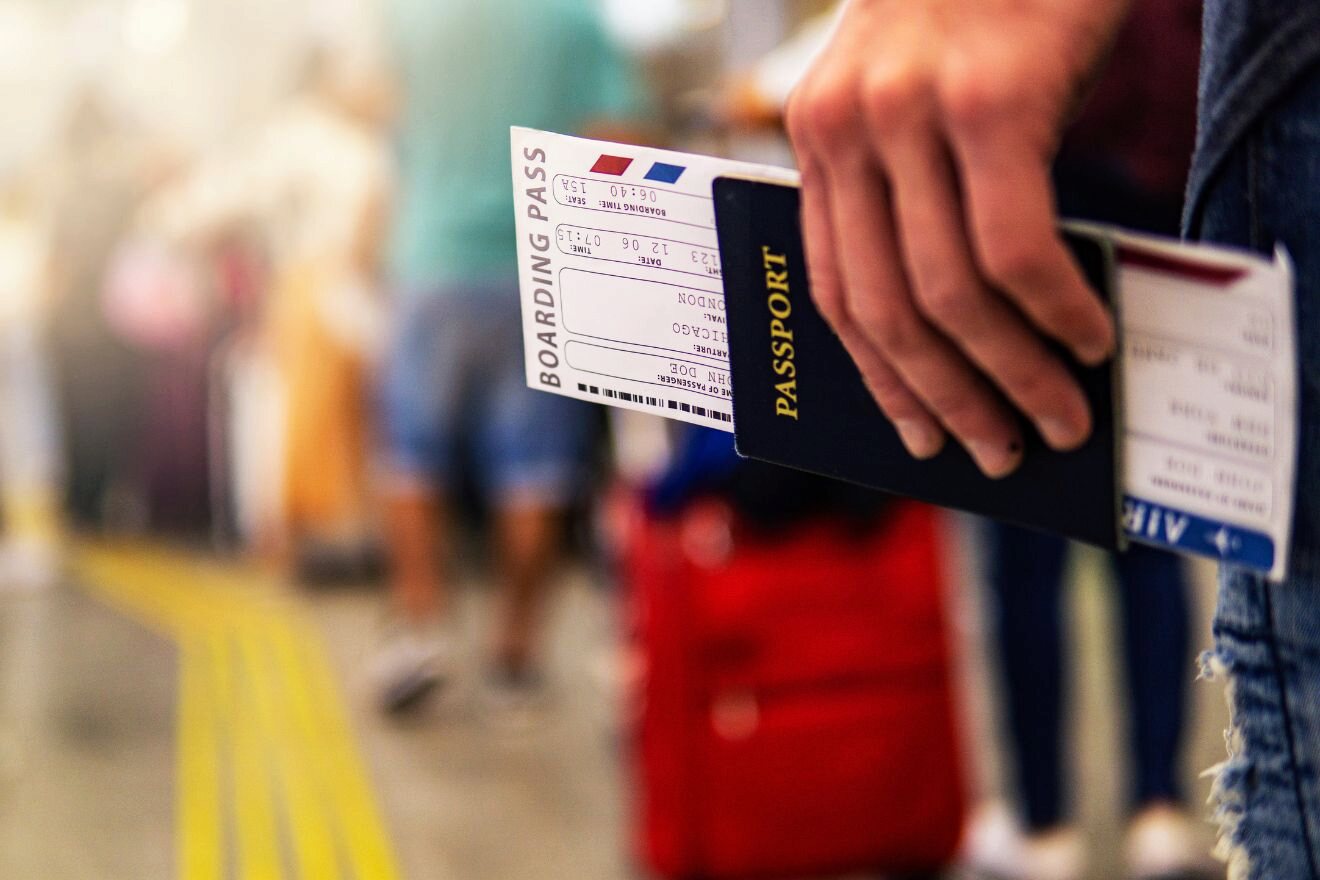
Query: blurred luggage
[(157, 302), (797, 716), (174, 465)]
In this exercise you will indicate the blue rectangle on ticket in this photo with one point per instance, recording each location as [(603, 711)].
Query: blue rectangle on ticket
[(1150, 523)]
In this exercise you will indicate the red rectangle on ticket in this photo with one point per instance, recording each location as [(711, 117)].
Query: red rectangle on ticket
[(615, 165)]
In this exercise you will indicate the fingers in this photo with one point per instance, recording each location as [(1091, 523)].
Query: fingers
[(949, 292), (859, 284), (1010, 215), (929, 224), (919, 431), (878, 301)]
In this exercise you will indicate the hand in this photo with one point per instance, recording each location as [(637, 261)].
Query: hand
[(925, 134)]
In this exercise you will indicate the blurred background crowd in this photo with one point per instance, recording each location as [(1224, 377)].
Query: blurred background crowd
[(260, 354)]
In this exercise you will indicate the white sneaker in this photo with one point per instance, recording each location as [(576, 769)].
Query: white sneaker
[(515, 699), (1161, 845), (995, 847), (408, 667)]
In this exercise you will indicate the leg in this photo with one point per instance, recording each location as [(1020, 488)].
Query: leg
[(1155, 625), (1267, 636), (1026, 574), (420, 402), (417, 525), (1155, 639), (413, 659), (530, 456), (1267, 791), (528, 540)]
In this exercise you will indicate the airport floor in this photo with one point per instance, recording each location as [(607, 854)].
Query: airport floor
[(164, 714)]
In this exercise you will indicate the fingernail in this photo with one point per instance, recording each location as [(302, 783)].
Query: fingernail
[(996, 460), (1062, 434), (920, 438), (1095, 354)]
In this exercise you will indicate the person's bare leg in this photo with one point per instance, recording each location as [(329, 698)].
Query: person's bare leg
[(528, 536), (412, 662), (417, 525)]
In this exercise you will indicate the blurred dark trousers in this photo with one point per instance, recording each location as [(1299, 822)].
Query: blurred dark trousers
[(1027, 577)]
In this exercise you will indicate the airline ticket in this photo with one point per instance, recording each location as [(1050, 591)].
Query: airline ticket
[(623, 299), (623, 304), (1209, 400)]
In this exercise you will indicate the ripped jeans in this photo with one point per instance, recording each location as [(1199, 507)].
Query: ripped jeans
[(1267, 636)]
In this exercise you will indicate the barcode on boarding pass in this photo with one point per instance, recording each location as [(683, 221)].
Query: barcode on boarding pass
[(658, 403)]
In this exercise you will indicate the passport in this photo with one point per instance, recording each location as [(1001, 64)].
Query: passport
[(828, 423)]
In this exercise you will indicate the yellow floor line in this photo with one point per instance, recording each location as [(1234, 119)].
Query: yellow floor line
[(257, 824), (219, 679), (279, 730), (304, 810), (201, 851), (360, 824), (136, 589)]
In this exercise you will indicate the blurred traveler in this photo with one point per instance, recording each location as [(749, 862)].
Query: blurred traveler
[(1040, 841), (1124, 161), (455, 389), (327, 314), (97, 173), (30, 466), (315, 182), (926, 132)]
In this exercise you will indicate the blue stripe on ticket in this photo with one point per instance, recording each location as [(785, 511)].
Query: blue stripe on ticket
[(663, 173), (1151, 523)]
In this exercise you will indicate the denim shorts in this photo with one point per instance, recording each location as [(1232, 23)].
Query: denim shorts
[(455, 395), (1267, 636)]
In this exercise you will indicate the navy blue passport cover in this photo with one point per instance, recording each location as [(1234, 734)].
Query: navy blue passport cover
[(840, 432)]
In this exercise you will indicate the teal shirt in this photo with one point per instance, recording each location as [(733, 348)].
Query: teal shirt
[(470, 69)]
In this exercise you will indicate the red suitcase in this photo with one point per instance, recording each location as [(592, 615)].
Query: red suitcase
[(796, 716)]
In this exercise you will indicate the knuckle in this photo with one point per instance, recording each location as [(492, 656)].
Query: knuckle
[(893, 397), (1012, 262), (975, 99), (1034, 389), (884, 385), (825, 293), (948, 303), (894, 95), (813, 177), (1064, 315), (796, 118), (895, 332), (886, 389), (827, 113), (962, 410)]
